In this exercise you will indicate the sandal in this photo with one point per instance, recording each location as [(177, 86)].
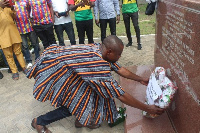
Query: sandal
[(39, 128), (15, 76), (91, 126)]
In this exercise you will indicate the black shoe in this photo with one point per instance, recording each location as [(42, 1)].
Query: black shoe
[(129, 44), (1, 75), (139, 47)]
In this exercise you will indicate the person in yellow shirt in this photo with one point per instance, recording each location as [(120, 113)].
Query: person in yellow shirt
[(10, 41)]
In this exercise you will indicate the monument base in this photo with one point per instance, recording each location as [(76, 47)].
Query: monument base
[(135, 121)]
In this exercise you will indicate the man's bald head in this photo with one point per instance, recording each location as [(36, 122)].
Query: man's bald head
[(112, 42), (112, 48)]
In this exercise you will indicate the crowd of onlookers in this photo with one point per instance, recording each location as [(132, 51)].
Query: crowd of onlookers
[(22, 21)]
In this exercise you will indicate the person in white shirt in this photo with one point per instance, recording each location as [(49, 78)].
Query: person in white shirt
[(63, 21)]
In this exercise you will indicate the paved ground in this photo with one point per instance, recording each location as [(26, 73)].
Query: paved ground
[(18, 108)]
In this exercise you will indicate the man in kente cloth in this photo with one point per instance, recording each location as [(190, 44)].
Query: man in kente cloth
[(77, 80)]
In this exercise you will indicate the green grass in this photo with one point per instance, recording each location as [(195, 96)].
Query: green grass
[(146, 23)]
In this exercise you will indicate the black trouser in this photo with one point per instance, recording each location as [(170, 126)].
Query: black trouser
[(103, 25), (45, 33), (82, 27), (52, 116), (68, 28), (134, 18)]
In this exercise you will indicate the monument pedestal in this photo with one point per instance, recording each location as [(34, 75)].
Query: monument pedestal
[(135, 121)]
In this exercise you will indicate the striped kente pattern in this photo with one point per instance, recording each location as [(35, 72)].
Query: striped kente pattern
[(77, 77)]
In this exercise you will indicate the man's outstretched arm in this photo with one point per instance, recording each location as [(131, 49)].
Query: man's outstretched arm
[(131, 101), (129, 75)]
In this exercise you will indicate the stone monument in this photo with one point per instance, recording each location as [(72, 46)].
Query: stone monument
[(178, 50)]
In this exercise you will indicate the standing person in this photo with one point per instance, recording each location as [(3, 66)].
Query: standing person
[(107, 10), (79, 82), (83, 18), (130, 10), (6, 63), (63, 21), (24, 26), (43, 19), (10, 41)]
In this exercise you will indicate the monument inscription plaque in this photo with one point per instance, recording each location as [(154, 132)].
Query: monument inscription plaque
[(178, 50)]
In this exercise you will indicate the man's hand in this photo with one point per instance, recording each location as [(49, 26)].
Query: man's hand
[(97, 23), (152, 109), (81, 4), (144, 81), (67, 13), (118, 19), (92, 4), (4, 3), (56, 13), (133, 102), (86, 2)]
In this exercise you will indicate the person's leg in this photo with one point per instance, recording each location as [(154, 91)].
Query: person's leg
[(89, 30), (35, 43), (53, 116), (134, 17), (8, 52), (126, 19), (4, 58), (112, 25), (40, 32), (81, 32), (25, 48), (103, 26), (70, 32), (50, 33), (59, 32), (17, 51), (6, 63)]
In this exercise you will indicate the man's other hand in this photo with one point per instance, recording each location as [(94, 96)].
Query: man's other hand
[(4, 3), (144, 81), (56, 13), (97, 23), (152, 109), (118, 19)]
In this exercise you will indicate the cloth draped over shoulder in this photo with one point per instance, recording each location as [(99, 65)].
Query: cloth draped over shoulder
[(77, 77), (9, 33)]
